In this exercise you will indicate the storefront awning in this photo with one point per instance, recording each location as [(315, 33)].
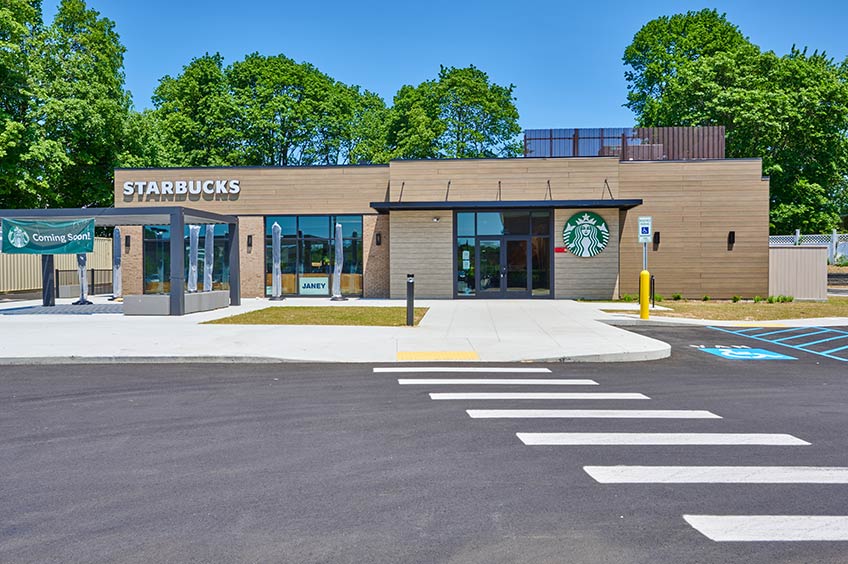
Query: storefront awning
[(385, 207)]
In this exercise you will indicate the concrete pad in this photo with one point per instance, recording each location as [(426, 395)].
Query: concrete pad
[(496, 331)]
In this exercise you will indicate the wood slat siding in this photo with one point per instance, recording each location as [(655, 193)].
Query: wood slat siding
[(268, 191), (694, 205), (21, 273), (591, 278), (521, 179), (681, 143), (423, 248), (800, 272)]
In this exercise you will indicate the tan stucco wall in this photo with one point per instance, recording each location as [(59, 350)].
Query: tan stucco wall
[(594, 278), (424, 248)]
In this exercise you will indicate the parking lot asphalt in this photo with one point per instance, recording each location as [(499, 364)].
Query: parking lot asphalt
[(338, 463)]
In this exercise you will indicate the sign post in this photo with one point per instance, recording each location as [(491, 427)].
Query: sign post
[(645, 235)]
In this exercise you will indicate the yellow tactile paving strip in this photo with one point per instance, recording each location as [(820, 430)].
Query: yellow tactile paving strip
[(437, 355)]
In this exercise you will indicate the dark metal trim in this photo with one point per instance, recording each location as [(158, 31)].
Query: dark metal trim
[(385, 207)]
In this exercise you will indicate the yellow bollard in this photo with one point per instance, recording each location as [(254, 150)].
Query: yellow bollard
[(644, 293)]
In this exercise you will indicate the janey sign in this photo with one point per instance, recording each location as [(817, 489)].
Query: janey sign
[(29, 237), (585, 234)]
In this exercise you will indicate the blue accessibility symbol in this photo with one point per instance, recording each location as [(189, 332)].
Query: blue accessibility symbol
[(646, 230), (748, 354)]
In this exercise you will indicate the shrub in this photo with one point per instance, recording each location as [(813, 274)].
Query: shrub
[(706, 298), (758, 299), (771, 299), (658, 297), (785, 299), (736, 299), (628, 298), (677, 296)]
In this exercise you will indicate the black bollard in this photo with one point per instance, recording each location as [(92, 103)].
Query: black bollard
[(410, 299)]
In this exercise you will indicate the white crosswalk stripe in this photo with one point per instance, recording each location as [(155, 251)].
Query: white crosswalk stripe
[(760, 528), (536, 396), (601, 439), (494, 381), (590, 414), (460, 369), (718, 474)]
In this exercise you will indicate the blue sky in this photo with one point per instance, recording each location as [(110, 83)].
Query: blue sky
[(564, 57)]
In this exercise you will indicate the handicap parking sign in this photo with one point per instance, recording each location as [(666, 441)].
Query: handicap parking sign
[(748, 354), (646, 230)]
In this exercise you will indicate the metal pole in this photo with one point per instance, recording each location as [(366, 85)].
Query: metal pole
[(410, 299), (644, 256), (48, 282)]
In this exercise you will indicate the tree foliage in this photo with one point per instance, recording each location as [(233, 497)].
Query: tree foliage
[(461, 114), (64, 106), (791, 110)]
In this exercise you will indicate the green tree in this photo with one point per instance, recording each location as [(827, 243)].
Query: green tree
[(62, 104), (665, 45), (19, 19), (792, 111), (462, 114), (293, 114), (197, 115)]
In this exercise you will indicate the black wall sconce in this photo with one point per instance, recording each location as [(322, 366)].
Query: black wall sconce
[(731, 240), (656, 240), (249, 243), (127, 243), (378, 239)]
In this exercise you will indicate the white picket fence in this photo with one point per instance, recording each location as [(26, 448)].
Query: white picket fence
[(837, 244)]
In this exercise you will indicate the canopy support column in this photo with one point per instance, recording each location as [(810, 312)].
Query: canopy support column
[(235, 268), (177, 251), (48, 281)]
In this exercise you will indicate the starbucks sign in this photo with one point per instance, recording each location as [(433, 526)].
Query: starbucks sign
[(585, 234), (24, 237)]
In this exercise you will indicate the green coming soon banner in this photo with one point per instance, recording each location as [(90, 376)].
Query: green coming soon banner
[(31, 237)]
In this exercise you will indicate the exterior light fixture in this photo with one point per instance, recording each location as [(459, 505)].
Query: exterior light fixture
[(731, 240), (249, 243), (656, 239), (378, 239), (437, 219), (127, 243)]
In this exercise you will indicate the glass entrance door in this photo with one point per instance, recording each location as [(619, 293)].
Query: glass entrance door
[(515, 263), (504, 267), (489, 273)]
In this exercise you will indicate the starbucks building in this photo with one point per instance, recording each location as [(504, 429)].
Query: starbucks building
[(560, 222)]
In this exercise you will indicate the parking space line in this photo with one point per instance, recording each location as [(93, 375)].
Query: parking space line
[(823, 341), (759, 528), (776, 332), (802, 335), (590, 414), (837, 349), (718, 474), (458, 369), (495, 381), (702, 439), (537, 396)]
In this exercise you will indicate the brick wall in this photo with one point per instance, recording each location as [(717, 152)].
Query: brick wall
[(131, 261), (252, 261), (375, 258)]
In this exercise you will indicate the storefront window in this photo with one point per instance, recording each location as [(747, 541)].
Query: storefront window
[(498, 253), (306, 258), (156, 258)]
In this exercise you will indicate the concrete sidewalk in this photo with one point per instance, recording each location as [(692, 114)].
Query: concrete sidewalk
[(502, 331)]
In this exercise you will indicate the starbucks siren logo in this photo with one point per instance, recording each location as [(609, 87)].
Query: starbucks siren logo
[(18, 237), (585, 234)]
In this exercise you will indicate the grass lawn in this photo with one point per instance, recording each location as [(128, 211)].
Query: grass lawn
[(749, 311), (324, 315)]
